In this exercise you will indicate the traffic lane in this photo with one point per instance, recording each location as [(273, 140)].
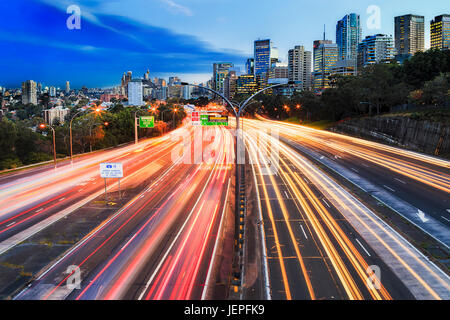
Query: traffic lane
[(36, 293), (68, 172), (315, 277), (348, 142), (97, 246), (430, 200), (183, 274), (390, 281), (182, 266), (439, 178), (114, 276), (325, 282), (435, 177), (19, 220)]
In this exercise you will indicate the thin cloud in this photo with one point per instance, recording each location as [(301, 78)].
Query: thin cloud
[(178, 8)]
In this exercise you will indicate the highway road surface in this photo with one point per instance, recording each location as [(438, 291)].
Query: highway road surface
[(319, 239), (159, 245)]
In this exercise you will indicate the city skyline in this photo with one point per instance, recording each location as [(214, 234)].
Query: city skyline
[(91, 59)]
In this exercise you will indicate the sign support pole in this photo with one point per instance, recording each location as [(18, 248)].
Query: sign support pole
[(106, 194), (119, 189), (135, 130)]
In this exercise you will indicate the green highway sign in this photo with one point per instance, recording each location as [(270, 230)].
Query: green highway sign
[(147, 122), (213, 120)]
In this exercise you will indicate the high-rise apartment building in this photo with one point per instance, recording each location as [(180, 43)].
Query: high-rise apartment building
[(262, 56), (187, 92), (440, 32), (58, 113), (135, 92), (52, 92), (29, 92), (230, 85), (378, 48), (279, 71), (409, 35), (67, 87), (250, 66), (174, 80), (348, 36), (220, 72), (299, 66), (246, 84), (325, 59)]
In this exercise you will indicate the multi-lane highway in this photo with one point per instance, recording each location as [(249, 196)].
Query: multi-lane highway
[(159, 245), (319, 239)]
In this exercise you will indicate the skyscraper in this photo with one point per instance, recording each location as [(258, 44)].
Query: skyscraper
[(325, 59), (135, 92), (67, 87), (262, 56), (378, 48), (250, 66), (220, 72), (348, 36), (174, 80), (409, 35), (52, 92), (29, 92), (299, 66), (246, 84), (440, 32), (229, 85)]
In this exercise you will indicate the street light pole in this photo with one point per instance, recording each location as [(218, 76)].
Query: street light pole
[(43, 126), (175, 110), (54, 145), (136, 138)]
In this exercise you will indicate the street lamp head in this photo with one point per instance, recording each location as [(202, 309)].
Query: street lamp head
[(42, 126), (97, 110), (106, 123)]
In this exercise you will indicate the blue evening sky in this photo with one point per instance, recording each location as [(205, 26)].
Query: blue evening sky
[(169, 37)]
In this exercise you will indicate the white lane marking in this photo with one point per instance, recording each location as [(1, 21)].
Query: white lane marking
[(216, 244), (445, 218), (421, 215), (337, 157), (39, 210), (304, 233), (61, 199), (448, 210), (11, 224), (287, 196), (128, 242), (163, 259), (401, 181), (322, 157), (365, 165), (363, 247), (80, 190), (388, 188), (326, 203), (355, 170)]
